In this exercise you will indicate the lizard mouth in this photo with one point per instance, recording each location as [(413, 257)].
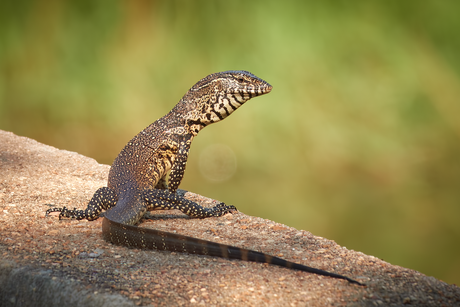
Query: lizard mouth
[(254, 91), (259, 90)]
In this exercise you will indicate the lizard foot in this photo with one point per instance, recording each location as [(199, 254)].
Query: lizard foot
[(64, 212)]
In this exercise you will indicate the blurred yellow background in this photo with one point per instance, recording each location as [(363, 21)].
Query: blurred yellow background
[(359, 141)]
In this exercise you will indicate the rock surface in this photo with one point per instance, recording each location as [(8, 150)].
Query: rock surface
[(48, 262)]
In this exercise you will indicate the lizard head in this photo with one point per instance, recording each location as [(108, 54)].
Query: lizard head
[(216, 96)]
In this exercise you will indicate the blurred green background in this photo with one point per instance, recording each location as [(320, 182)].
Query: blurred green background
[(359, 141)]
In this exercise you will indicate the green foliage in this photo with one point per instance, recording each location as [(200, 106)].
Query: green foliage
[(358, 141)]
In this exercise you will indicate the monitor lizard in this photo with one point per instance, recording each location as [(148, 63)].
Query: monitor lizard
[(138, 177)]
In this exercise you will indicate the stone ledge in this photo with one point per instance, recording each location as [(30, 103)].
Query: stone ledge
[(28, 286), (50, 262)]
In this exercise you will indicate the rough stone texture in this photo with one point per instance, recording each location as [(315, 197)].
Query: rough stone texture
[(47, 262)]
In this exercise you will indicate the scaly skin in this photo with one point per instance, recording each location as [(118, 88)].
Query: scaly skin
[(137, 178)]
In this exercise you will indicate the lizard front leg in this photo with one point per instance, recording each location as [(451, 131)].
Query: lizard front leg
[(104, 198), (180, 161), (166, 200), (169, 199)]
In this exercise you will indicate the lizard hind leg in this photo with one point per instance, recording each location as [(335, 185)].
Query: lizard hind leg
[(166, 200), (103, 199)]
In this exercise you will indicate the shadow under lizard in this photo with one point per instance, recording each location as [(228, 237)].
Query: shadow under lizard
[(137, 178)]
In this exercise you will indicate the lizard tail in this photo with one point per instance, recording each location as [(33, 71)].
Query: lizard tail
[(146, 238)]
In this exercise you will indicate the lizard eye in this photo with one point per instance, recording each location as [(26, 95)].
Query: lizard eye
[(240, 79)]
